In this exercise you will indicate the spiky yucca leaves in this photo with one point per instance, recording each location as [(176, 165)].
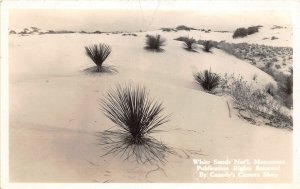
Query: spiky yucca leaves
[(207, 46), (155, 43), (207, 79), (189, 43), (137, 116), (98, 53)]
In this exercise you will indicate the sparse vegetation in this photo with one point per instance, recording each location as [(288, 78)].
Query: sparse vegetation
[(98, 53), (256, 103), (284, 93), (155, 43), (136, 116), (207, 80)]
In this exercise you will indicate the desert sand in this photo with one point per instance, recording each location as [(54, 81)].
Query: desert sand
[(54, 108)]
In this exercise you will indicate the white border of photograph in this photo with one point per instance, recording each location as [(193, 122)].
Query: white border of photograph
[(293, 6)]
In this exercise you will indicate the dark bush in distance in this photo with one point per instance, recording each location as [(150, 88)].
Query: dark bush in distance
[(207, 79), (183, 27), (97, 32), (181, 38), (189, 43), (252, 29), (12, 32), (137, 116), (155, 42), (98, 53), (240, 32), (207, 46)]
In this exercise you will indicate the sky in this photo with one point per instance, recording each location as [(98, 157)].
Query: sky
[(142, 19)]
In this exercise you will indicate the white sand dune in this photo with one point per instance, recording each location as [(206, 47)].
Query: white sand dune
[(54, 109)]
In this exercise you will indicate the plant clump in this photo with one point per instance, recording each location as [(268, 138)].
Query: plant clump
[(155, 43), (189, 44), (137, 116), (207, 79), (98, 54)]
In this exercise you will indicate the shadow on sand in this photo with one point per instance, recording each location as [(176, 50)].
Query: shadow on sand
[(104, 69)]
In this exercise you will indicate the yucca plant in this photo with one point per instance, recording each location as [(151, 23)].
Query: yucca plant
[(136, 116), (98, 53), (207, 79), (189, 43), (207, 46), (155, 43)]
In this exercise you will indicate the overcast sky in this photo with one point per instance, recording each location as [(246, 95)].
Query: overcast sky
[(135, 20)]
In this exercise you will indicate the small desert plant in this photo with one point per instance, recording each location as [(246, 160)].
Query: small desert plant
[(181, 38), (189, 44), (155, 42), (12, 32), (273, 38), (137, 116), (207, 79), (257, 102), (240, 32), (207, 46), (98, 53)]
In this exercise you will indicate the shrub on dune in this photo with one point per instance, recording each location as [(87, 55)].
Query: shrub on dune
[(252, 30), (240, 32), (181, 38), (207, 79), (189, 44), (98, 53), (155, 42), (137, 116), (207, 46)]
